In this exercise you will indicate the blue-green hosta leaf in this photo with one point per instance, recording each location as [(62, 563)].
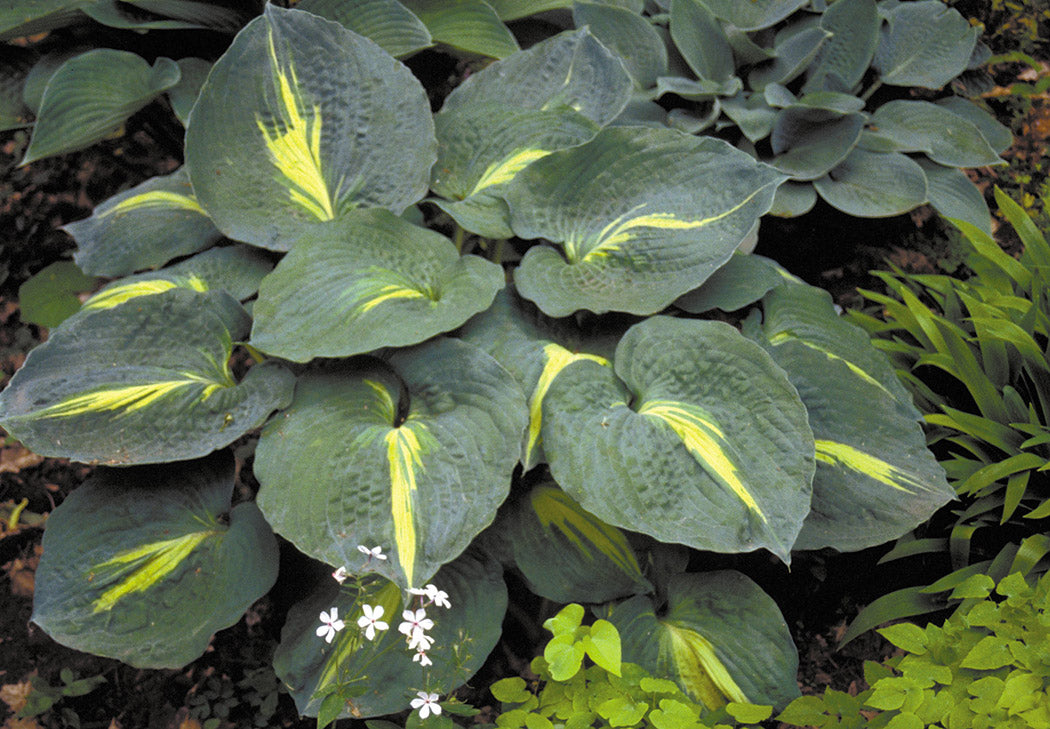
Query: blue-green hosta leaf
[(751, 113), (143, 564), (375, 281), (697, 90), (628, 35), (143, 227), (754, 14), (793, 199), (875, 478), (415, 456), (41, 72), (300, 121), (743, 280), (463, 634), (997, 135), (28, 17), (874, 184), (845, 56), (91, 95), (809, 142), (569, 555), (924, 44), (698, 439), (183, 95), (534, 349), (389, 23), (15, 64), (641, 216), (796, 47), (483, 146), (50, 296), (701, 40), (222, 15), (142, 382), (954, 195), (467, 25), (571, 69), (721, 639), (920, 126), (515, 9)]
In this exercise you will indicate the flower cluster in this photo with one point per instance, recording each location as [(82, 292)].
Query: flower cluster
[(414, 626)]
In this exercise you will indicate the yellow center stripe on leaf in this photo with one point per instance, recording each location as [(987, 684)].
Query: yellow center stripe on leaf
[(385, 400), (555, 508), (127, 399), (557, 359), (703, 439), (782, 337), (699, 670), (294, 144), (406, 446), (379, 285), (116, 295), (141, 568), (499, 173), (348, 641), (839, 454), (156, 200)]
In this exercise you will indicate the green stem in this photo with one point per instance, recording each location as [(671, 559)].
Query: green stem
[(458, 239), (871, 90), (497, 251)]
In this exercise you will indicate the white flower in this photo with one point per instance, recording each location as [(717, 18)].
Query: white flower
[(330, 625), (433, 594), (373, 553), (422, 659), (370, 621), (340, 575), (420, 641), (427, 704), (415, 621)]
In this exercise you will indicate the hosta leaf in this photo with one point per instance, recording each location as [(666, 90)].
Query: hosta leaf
[(845, 56), (876, 480), (874, 184), (754, 14), (569, 555), (463, 634), (751, 113), (721, 639), (41, 72), (15, 64), (416, 455), (628, 35), (300, 121), (713, 450), (28, 17), (468, 25), (143, 227), (796, 47), (743, 280), (375, 281), (809, 142), (389, 23), (515, 9), (50, 296), (224, 15), (183, 95), (954, 195), (923, 43), (642, 216), (91, 95), (482, 147), (793, 199), (996, 134), (701, 40), (141, 382), (920, 126), (571, 69), (143, 564)]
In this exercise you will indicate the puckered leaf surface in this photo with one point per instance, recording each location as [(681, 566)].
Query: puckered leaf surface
[(143, 564), (300, 121), (923, 43), (143, 381), (698, 438), (415, 455)]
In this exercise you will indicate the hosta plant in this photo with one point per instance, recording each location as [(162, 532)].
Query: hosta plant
[(556, 388)]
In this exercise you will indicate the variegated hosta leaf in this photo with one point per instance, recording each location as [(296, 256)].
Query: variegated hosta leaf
[(416, 456), (534, 349), (142, 382), (374, 281), (571, 69), (875, 478), (721, 639), (387, 22), (641, 215), (698, 438), (463, 634), (569, 555), (143, 227), (743, 280), (482, 147), (143, 564), (300, 121)]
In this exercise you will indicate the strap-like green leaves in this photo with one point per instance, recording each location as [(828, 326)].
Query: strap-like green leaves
[(141, 382), (383, 669), (698, 439), (374, 281), (300, 121), (875, 477), (91, 96), (416, 457), (144, 564), (721, 639), (642, 216), (143, 227)]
